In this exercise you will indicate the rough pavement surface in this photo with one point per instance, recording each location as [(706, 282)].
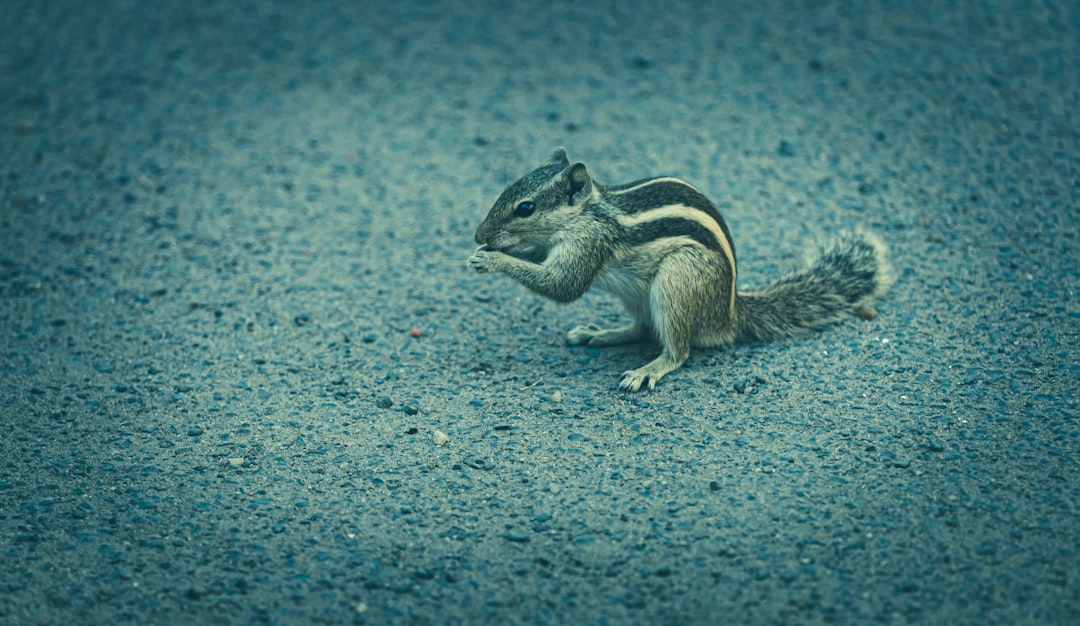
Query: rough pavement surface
[(235, 314)]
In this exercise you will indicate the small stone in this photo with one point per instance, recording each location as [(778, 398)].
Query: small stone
[(384, 402), (556, 397), (866, 312), (236, 461), (195, 431), (440, 438)]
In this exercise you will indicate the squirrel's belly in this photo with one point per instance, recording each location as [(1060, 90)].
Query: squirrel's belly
[(624, 282)]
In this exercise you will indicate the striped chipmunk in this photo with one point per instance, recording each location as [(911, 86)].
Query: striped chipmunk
[(663, 249)]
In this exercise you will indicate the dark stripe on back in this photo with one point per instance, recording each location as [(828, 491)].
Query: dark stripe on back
[(653, 230), (667, 193)]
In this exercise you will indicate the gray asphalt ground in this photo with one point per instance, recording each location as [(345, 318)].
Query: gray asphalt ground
[(222, 224)]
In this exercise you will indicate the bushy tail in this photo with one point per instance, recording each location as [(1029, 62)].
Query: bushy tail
[(848, 274)]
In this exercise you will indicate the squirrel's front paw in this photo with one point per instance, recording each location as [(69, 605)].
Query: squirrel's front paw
[(480, 259)]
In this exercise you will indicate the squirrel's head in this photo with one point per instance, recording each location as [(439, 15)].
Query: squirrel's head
[(530, 211)]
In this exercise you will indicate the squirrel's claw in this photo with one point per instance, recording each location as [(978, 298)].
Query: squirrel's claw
[(632, 382), (479, 259)]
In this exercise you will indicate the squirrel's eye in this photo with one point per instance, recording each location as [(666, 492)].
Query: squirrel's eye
[(525, 209)]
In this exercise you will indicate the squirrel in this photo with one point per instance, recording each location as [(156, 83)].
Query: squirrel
[(663, 249)]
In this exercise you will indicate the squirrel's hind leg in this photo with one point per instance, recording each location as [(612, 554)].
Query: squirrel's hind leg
[(674, 304), (596, 336)]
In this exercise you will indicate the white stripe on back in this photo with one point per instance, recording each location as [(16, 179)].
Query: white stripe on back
[(653, 181), (681, 211)]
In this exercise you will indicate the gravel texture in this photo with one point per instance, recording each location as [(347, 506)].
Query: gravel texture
[(247, 377)]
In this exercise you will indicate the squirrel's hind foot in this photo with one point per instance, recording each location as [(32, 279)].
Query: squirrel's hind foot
[(646, 376), (595, 336)]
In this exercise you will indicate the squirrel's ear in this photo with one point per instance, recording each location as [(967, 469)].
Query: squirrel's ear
[(560, 156), (579, 182)]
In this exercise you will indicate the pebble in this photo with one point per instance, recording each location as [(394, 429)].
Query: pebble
[(440, 438)]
